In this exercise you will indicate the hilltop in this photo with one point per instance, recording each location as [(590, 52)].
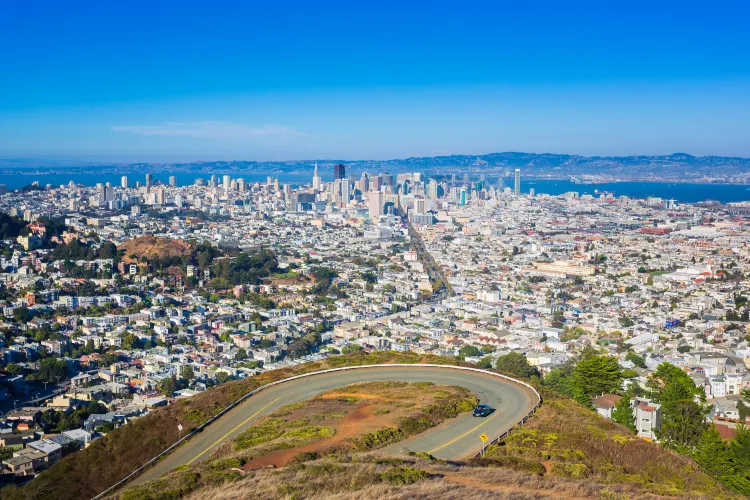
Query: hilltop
[(565, 450), (149, 247)]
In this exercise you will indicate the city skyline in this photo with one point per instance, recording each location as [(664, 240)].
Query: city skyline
[(334, 81)]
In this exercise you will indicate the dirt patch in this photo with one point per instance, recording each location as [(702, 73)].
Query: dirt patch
[(361, 420)]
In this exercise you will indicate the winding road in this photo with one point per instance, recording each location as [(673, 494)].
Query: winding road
[(454, 439)]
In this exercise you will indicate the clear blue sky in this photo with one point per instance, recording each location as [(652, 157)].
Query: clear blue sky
[(188, 80)]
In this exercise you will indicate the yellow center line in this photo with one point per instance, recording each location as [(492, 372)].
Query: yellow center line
[(467, 432), (222, 438)]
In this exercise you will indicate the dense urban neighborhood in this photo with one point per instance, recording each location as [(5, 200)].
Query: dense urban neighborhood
[(118, 300)]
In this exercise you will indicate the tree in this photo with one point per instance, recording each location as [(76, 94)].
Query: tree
[(516, 364), (713, 455), (240, 355), (167, 386), (682, 426), (636, 359), (222, 377), (22, 314), (188, 373), (598, 375), (469, 351), (485, 363), (623, 413), (739, 448), (14, 369)]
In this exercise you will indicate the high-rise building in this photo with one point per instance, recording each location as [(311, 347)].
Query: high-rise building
[(124, 182), (227, 182), (375, 202), (463, 197), (432, 189), (364, 182), (345, 191), (517, 182), (241, 185), (316, 179), (172, 180), (420, 205), (339, 171), (149, 180)]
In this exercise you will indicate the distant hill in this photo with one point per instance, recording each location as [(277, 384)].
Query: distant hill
[(676, 166)]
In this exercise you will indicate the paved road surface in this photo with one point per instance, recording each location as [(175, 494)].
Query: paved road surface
[(454, 439)]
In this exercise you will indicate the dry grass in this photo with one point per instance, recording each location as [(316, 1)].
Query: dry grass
[(150, 246)]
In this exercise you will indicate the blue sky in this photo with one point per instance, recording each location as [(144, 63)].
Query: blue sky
[(137, 81)]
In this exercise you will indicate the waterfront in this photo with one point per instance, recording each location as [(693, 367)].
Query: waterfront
[(681, 192)]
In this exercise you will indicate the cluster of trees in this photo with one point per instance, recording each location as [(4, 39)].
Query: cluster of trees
[(245, 268), (75, 250), (59, 421), (586, 376)]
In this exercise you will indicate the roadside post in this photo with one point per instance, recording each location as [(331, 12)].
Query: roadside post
[(484, 438)]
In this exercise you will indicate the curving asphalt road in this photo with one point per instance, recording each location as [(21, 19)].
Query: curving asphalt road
[(453, 439)]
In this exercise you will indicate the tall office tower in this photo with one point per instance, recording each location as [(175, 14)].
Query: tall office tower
[(241, 185), (386, 179), (212, 182), (364, 182), (345, 191), (432, 189), (337, 189), (172, 180), (420, 205), (276, 184), (375, 202), (109, 194), (532, 192), (339, 171), (149, 180), (160, 197), (316, 178), (463, 197), (517, 182), (375, 183), (124, 182), (417, 176), (227, 182)]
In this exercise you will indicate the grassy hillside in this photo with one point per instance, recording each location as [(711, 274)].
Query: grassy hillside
[(565, 451), (126, 448), (357, 418)]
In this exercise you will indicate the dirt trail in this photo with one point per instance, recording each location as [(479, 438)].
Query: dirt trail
[(357, 422)]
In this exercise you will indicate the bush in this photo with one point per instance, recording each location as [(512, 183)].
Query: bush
[(310, 433), (511, 462), (380, 437), (414, 425), (400, 476), (264, 432)]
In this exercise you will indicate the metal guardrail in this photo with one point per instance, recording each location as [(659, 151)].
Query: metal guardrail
[(305, 375)]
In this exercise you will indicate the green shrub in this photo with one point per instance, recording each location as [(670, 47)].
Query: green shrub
[(414, 425), (264, 432), (310, 433), (380, 437), (399, 476)]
